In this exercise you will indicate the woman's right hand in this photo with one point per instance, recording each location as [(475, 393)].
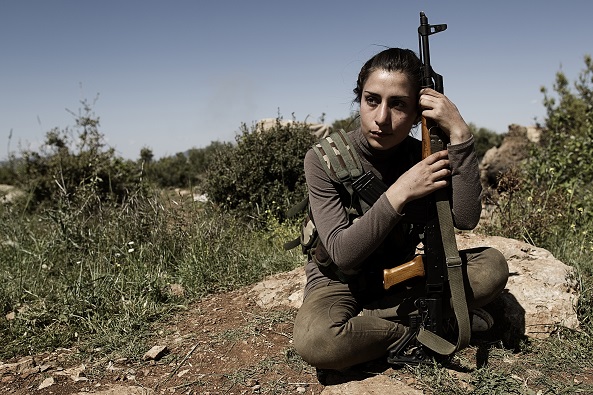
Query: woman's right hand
[(425, 177)]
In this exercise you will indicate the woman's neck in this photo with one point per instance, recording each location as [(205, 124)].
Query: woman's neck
[(373, 155)]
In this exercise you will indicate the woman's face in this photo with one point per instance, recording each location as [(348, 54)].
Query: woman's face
[(388, 108)]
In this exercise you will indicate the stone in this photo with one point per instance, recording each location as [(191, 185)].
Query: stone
[(155, 353), (48, 382), (376, 385), (512, 151), (541, 292)]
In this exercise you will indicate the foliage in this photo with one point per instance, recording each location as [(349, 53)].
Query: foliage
[(8, 173), (485, 139), (262, 172), (108, 293), (75, 166), (183, 170), (568, 143), (347, 124), (549, 202)]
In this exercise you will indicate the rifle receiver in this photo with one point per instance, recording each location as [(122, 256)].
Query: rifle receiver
[(430, 79)]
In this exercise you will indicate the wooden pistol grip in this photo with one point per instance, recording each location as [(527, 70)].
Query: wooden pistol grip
[(403, 272)]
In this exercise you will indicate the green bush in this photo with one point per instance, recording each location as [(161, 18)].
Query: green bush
[(76, 166), (263, 172), (347, 124), (183, 170), (109, 292), (549, 201)]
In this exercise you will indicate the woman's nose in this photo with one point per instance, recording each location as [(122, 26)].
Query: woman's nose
[(382, 114)]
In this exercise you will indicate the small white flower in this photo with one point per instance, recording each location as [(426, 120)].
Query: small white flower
[(130, 250)]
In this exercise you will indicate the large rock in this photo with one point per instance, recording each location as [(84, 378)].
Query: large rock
[(513, 150), (540, 294)]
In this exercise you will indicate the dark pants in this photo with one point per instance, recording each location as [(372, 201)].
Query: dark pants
[(335, 330)]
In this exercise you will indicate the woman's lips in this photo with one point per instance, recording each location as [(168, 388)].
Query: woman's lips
[(380, 134)]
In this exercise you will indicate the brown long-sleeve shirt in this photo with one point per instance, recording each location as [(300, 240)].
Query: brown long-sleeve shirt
[(379, 234)]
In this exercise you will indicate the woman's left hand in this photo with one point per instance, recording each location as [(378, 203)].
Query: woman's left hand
[(443, 111)]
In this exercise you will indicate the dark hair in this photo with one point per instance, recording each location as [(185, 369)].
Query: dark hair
[(391, 59)]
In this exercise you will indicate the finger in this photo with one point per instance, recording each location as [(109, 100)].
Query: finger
[(429, 91), (436, 156), (442, 174)]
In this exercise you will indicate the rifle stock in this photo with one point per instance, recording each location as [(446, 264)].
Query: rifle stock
[(403, 272)]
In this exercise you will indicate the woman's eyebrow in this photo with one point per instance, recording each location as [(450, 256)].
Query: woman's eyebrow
[(390, 97)]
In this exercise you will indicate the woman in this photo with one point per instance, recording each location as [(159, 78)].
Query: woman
[(330, 332)]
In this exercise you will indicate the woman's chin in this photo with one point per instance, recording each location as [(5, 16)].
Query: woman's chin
[(382, 142)]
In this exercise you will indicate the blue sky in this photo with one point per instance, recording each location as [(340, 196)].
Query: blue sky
[(172, 75)]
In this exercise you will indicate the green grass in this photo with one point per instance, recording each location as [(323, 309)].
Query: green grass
[(99, 281)]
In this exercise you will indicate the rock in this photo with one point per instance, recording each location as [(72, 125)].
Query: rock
[(376, 385), (23, 365), (48, 382), (176, 290), (75, 373), (155, 353), (121, 390), (513, 150), (318, 130), (540, 294), (283, 289)]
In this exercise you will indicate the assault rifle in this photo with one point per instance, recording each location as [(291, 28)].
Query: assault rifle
[(440, 264)]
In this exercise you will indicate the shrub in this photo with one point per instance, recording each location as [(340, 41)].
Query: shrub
[(75, 166), (548, 202), (183, 170), (347, 124), (262, 172)]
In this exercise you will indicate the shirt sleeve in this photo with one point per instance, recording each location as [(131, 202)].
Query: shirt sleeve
[(466, 186), (348, 244)]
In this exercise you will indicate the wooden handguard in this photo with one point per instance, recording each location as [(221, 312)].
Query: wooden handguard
[(403, 272), (426, 148)]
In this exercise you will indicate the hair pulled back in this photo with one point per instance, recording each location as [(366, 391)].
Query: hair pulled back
[(391, 59)]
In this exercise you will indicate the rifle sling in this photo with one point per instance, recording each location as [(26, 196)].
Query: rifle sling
[(454, 271)]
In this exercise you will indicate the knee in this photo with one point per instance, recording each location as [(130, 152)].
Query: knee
[(487, 275), (316, 346), (498, 268)]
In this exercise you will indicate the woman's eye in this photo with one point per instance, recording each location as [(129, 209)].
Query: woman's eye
[(397, 104), (371, 101)]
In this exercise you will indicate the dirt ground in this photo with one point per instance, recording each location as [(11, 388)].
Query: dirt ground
[(224, 344)]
